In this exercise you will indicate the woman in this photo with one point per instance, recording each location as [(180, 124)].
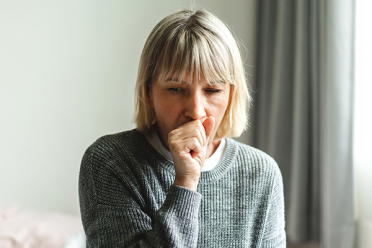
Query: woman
[(177, 180)]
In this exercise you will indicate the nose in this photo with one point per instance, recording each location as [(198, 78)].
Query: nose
[(195, 108)]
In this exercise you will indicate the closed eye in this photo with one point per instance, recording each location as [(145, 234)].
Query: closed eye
[(175, 90), (213, 91)]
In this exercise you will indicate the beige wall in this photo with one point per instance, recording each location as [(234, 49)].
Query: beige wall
[(67, 72)]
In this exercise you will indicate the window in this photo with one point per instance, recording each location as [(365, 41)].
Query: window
[(363, 122)]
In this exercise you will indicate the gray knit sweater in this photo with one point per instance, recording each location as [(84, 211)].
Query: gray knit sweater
[(127, 198)]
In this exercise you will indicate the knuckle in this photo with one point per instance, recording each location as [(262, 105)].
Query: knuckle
[(172, 143), (171, 133)]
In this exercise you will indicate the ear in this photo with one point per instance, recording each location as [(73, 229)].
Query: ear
[(150, 98)]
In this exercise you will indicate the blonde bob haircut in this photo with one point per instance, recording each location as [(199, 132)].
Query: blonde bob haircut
[(199, 44)]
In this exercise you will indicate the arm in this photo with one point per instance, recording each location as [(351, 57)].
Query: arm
[(113, 215), (274, 234)]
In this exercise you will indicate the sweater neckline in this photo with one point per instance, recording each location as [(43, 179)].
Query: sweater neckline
[(206, 176)]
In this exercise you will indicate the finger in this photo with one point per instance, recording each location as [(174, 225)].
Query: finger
[(188, 130), (186, 146), (203, 133), (194, 145), (208, 125)]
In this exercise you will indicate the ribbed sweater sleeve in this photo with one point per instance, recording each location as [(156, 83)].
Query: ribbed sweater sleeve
[(274, 235), (114, 213)]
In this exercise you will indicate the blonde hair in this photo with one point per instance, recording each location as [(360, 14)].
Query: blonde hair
[(200, 44)]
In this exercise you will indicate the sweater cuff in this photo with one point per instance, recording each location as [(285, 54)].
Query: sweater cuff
[(184, 201)]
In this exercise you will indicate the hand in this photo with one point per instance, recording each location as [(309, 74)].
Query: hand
[(188, 145)]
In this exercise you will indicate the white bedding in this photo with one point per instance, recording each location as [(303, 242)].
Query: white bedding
[(30, 229)]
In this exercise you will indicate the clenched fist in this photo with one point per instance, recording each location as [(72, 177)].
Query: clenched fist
[(188, 145)]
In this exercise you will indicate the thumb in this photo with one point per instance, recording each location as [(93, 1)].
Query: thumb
[(208, 125)]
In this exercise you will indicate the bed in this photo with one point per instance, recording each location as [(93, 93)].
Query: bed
[(40, 229)]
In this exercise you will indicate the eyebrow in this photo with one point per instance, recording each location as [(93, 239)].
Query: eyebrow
[(175, 80), (183, 82)]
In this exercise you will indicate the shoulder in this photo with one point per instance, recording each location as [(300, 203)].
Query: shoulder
[(122, 139), (254, 161), (121, 145), (108, 167), (119, 142)]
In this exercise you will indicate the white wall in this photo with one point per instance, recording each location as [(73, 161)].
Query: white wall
[(67, 73)]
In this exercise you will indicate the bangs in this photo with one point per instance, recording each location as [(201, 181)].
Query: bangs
[(196, 53)]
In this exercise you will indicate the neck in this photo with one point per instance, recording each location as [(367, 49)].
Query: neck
[(212, 147)]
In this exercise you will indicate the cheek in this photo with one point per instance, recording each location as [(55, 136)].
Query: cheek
[(219, 110), (166, 111), (165, 105), (219, 104)]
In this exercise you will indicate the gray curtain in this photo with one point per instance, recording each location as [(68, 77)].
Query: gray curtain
[(303, 113)]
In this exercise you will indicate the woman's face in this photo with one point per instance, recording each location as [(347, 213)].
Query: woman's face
[(177, 101)]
